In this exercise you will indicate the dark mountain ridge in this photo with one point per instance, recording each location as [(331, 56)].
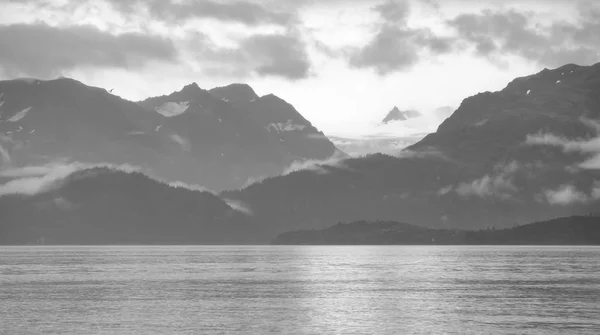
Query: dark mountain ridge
[(575, 230), (108, 206), (190, 135)]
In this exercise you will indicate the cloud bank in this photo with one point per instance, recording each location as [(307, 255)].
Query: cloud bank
[(44, 51), (510, 32)]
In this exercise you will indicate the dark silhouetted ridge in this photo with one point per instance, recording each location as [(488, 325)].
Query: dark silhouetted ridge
[(575, 230)]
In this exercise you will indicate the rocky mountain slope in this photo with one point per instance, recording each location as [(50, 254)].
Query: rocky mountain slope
[(191, 135)]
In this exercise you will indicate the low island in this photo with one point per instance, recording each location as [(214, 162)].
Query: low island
[(574, 230)]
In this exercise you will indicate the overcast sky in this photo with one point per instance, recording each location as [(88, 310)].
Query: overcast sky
[(342, 63)]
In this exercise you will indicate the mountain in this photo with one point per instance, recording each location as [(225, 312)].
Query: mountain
[(300, 138), (397, 115), (522, 154), (190, 135), (576, 230), (101, 205)]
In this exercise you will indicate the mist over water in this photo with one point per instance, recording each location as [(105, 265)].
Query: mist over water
[(308, 290)]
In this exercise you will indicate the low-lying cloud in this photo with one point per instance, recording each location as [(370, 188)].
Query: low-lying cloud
[(4, 156), (37, 180), (498, 184), (589, 147), (191, 187), (32, 180), (183, 143), (239, 206), (317, 166), (568, 194)]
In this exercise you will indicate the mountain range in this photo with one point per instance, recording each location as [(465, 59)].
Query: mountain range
[(192, 135), (522, 154), (525, 153)]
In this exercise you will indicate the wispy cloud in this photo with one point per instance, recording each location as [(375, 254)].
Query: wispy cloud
[(239, 206), (192, 187), (568, 194), (498, 184), (32, 180), (590, 147), (317, 166), (183, 143), (6, 159)]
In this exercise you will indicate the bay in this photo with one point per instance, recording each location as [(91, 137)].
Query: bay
[(300, 290)]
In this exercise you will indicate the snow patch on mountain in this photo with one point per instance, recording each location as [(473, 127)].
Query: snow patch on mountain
[(171, 108), (185, 144), (283, 127), (20, 115), (481, 123)]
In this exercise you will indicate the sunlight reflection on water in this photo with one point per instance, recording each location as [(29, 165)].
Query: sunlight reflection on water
[(286, 289)]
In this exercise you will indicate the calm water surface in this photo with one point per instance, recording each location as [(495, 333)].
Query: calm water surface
[(300, 290)]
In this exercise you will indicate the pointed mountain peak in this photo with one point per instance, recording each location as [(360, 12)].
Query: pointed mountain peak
[(193, 87), (397, 115), (236, 92), (271, 96)]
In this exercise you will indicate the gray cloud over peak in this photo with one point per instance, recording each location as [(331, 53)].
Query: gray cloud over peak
[(510, 32), (280, 55), (396, 46), (41, 50)]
